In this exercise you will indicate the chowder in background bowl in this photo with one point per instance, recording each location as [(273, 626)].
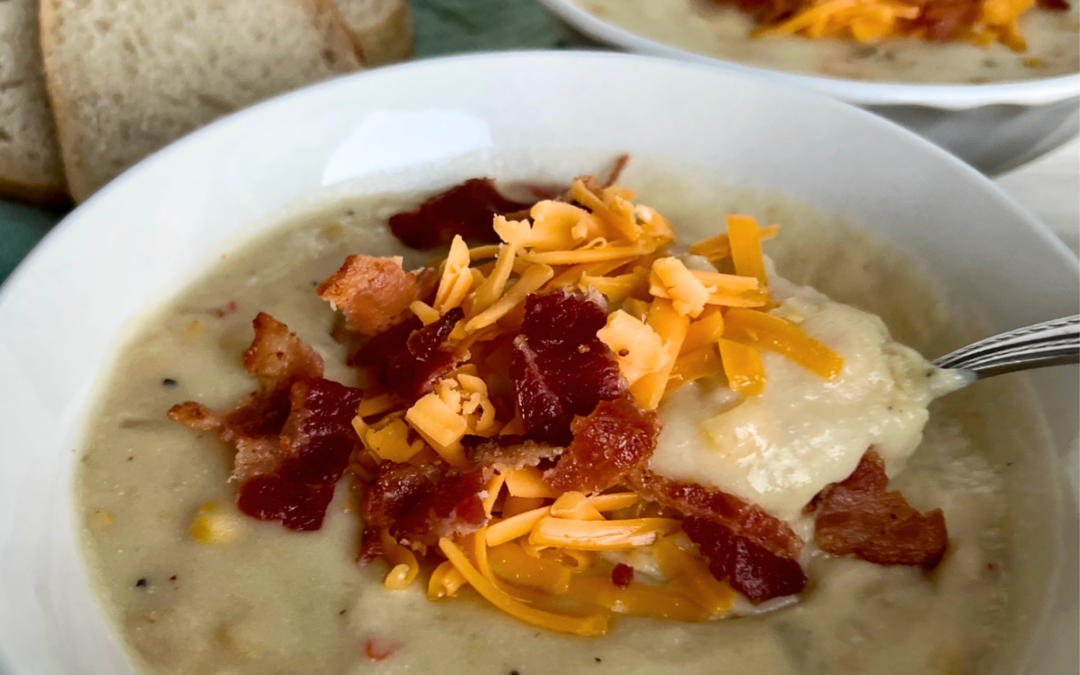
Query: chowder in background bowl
[(184, 207), (988, 106)]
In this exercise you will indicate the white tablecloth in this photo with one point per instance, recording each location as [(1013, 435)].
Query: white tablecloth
[(1050, 188)]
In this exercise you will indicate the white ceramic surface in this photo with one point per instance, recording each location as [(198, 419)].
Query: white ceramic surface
[(61, 310)]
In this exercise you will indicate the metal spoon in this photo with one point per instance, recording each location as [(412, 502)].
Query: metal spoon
[(1051, 343)]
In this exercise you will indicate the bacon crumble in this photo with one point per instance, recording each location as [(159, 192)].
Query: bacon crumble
[(421, 504), (373, 293), (622, 575), (465, 209), (510, 452), (858, 516), (742, 518), (751, 569), (615, 439), (293, 438), (560, 368), (426, 357)]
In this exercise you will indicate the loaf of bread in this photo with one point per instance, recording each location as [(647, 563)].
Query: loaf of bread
[(126, 78), (30, 168), (382, 28)]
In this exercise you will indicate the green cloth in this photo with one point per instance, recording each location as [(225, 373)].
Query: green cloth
[(442, 27), (20, 229)]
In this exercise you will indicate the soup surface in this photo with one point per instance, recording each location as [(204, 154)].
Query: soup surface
[(271, 600), (723, 32)]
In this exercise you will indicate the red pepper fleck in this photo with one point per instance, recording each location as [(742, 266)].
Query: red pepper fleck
[(222, 312), (378, 649), (622, 576)]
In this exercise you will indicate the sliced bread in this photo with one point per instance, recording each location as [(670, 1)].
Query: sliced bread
[(30, 168), (382, 28), (126, 78)]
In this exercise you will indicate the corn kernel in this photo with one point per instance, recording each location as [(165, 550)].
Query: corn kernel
[(213, 528), (103, 518)]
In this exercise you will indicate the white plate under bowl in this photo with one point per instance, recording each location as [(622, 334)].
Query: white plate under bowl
[(60, 311)]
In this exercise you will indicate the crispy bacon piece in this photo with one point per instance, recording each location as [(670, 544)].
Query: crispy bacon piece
[(374, 293), (506, 453), (426, 357), (318, 436), (560, 368), (316, 441), (740, 517), (753, 551), (858, 516), (379, 349), (421, 504), (277, 356), (465, 209), (620, 165), (371, 547), (947, 19), (293, 438), (623, 575), (615, 439), (751, 569)]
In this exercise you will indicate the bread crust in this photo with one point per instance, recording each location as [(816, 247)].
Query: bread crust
[(39, 182), (88, 168)]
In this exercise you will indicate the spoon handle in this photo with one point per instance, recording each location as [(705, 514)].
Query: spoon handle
[(1050, 343)]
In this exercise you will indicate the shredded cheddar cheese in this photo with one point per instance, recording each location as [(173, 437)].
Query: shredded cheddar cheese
[(513, 565), (440, 426), (544, 555), (528, 482), (575, 506), (594, 624), (705, 331), (691, 575), (515, 526), (607, 535), (638, 348), (775, 334), (637, 600), (671, 326), (719, 247), (872, 21), (742, 365), (456, 280), (445, 581), (688, 294)]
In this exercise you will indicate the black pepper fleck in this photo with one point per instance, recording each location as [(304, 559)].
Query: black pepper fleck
[(314, 284), (172, 578), (341, 613), (514, 672), (350, 212), (169, 383), (598, 659), (141, 583), (130, 458)]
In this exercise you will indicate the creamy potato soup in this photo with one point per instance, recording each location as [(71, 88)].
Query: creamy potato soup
[(259, 598), (723, 31)]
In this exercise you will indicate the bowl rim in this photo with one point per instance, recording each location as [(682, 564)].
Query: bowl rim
[(1032, 227), (1041, 91)]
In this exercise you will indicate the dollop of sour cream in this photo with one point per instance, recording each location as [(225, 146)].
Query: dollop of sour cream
[(803, 432)]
